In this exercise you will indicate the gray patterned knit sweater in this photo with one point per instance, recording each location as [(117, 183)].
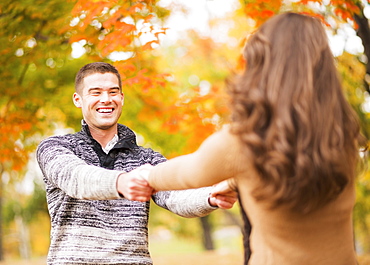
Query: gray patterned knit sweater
[(90, 222)]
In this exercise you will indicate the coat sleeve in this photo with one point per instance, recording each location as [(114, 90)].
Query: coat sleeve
[(63, 170)]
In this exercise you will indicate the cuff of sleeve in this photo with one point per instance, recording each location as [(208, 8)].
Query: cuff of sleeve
[(113, 190), (204, 205)]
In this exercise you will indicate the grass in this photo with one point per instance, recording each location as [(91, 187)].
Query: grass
[(169, 251), (364, 260), (204, 258), (184, 252)]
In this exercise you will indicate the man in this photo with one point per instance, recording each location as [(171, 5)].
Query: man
[(93, 219)]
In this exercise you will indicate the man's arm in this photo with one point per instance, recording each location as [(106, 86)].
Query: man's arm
[(191, 202), (197, 202), (62, 169), (187, 203)]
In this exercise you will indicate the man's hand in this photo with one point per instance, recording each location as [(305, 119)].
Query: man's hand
[(134, 187), (224, 194)]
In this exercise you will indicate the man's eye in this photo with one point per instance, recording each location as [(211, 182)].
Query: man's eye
[(114, 92), (95, 93)]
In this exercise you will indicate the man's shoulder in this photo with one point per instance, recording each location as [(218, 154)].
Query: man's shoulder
[(67, 139)]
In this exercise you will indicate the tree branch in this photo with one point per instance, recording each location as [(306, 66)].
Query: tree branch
[(363, 32)]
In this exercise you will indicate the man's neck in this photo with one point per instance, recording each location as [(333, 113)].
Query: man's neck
[(103, 137)]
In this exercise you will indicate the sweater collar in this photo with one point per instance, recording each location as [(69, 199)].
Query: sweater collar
[(126, 137)]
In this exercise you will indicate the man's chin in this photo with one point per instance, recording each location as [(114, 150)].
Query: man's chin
[(102, 124), (106, 125)]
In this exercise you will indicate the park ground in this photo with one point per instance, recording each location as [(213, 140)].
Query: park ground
[(205, 258), (169, 253), (186, 252)]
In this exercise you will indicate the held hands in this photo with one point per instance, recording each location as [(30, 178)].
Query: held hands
[(133, 186), (223, 194)]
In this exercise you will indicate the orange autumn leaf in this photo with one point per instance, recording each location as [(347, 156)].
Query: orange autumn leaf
[(136, 7), (148, 45)]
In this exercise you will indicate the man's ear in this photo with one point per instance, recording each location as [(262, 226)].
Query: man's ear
[(77, 100), (123, 99)]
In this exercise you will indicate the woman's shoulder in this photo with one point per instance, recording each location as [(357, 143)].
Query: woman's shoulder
[(226, 136)]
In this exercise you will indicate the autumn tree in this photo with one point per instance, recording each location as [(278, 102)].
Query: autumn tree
[(175, 119), (37, 70), (333, 13), (174, 108), (31, 50)]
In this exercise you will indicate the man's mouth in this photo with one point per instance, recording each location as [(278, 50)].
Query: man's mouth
[(105, 110)]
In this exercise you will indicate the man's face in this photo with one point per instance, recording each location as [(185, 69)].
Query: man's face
[(101, 101)]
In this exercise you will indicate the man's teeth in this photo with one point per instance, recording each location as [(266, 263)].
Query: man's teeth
[(105, 110)]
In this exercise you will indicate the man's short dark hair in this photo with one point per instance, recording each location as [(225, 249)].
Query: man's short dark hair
[(93, 68)]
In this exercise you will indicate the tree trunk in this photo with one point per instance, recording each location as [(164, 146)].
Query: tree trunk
[(207, 233), (24, 238), (1, 214), (363, 31), (247, 228), (234, 220)]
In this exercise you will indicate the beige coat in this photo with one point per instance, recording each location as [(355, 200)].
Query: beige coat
[(280, 236)]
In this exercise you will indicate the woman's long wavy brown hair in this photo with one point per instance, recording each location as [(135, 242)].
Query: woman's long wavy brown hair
[(289, 109)]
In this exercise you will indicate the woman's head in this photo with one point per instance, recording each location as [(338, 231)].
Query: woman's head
[(285, 56), (289, 109)]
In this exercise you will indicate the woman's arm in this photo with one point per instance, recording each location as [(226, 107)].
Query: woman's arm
[(218, 158)]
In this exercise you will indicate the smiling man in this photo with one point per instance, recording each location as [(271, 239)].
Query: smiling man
[(100, 98), (93, 220)]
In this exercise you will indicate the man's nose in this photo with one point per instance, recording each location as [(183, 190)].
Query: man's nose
[(105, 97)]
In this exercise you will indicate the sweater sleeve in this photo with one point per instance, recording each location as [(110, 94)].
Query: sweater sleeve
[(187, 203), (63, 170), (218, 158)]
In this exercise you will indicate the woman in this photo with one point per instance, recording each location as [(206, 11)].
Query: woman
[(291, 149)]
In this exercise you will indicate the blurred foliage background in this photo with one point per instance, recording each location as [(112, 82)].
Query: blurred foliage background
[(174, 58)]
